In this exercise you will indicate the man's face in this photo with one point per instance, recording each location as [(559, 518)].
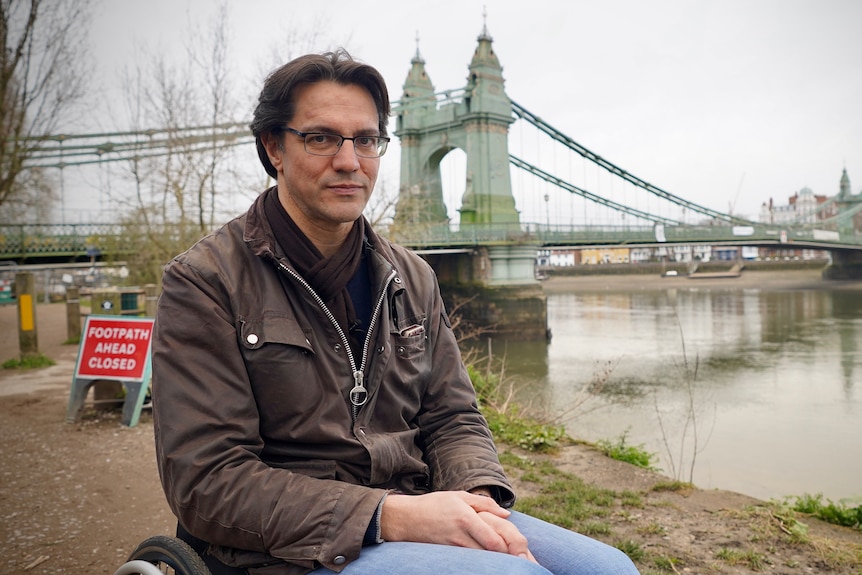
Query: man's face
[(326, 193)]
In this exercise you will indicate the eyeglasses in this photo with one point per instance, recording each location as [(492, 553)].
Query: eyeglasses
[(323, 144)]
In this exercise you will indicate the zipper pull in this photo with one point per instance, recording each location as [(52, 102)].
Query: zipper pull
[(358, 395)]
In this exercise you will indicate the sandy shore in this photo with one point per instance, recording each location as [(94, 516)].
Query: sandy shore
[(774, 280)]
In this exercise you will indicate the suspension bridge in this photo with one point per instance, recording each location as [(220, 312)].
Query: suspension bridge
[(494, 239)]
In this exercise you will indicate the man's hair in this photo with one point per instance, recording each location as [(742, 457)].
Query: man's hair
[(276, 105)]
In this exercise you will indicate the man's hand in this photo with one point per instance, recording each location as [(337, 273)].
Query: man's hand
[(452, 518)]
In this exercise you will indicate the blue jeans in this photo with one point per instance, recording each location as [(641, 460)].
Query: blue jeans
[(558, 551)]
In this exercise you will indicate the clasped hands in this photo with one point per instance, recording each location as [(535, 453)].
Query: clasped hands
[(452, 518)]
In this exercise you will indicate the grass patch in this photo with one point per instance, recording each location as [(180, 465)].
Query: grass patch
[(835, 513), (750, 559), (513, 428), (619, 450), (569, 502), (510, 459), (594, 528), (631, 548), (28, 362), (631, 499), (672, 486), (652, 528), (509, 423), (777, 520), (666, 564)]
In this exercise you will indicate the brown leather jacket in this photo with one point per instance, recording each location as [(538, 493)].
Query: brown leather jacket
[(259, 448)]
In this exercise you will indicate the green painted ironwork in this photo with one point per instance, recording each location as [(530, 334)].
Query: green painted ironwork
[(476, 119), (31, 242), (477, 122), (22, 242)]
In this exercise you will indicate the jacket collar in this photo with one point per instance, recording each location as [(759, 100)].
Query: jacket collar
[(260, 239)]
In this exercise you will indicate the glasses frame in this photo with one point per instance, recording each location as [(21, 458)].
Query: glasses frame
[(304, 136)]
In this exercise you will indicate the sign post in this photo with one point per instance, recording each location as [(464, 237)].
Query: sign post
[(113, 348), (28, 335)]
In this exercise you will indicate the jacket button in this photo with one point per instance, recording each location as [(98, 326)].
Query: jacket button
[(251, 338), (337, 347), (339, 560), (381, 349)]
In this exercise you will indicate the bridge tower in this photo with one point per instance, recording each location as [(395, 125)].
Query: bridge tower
[(847, 264), (846, 201), (498, 280), (478, 123)]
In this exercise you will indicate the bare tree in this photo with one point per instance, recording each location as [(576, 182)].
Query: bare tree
[(181, 168), (185, 167), (43, 69), (380, 210)]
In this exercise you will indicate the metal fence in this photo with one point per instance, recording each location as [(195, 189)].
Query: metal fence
[(24, 242)]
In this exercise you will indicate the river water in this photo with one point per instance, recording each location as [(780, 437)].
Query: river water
[(761, 387)]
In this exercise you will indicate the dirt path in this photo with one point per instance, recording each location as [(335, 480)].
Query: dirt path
[(75, 498), (78, 498)]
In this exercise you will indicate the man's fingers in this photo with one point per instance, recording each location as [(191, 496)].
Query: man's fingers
[(452, 518), (481, 503), (486, 536), (515, 542)]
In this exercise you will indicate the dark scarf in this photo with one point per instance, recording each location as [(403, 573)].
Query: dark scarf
[(328, 276)]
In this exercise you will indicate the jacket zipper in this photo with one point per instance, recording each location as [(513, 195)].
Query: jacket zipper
[(358, 394)]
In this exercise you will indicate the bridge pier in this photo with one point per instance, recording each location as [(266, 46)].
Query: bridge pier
[(845, 265), (494, 288)]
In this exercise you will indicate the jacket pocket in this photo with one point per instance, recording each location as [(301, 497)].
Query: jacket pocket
[(409, 336), (282, 372), (272, 327)]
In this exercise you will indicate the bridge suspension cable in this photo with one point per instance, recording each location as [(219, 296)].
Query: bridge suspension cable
[(515, 161), (839, 217), (524, 114), (134, 145)]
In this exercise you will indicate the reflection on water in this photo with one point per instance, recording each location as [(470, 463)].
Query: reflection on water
[(762, 388)]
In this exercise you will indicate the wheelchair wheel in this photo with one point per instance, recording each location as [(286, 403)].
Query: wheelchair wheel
[(168, 555)]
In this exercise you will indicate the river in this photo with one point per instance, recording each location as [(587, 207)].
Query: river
[(760, 385)]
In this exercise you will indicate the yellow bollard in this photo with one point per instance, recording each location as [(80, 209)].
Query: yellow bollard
[(25, 289)]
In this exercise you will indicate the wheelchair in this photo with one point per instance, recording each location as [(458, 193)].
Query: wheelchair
[(161, 555)]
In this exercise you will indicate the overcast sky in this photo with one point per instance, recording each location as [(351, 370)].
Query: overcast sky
[(725, 103)]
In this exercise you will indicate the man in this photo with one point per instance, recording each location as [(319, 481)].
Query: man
[(312, 412)]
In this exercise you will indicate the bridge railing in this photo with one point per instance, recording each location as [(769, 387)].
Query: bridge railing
[(437, 235), (25, 241), (29, 241)]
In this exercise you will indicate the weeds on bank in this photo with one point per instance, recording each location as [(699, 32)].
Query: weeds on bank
[(569, 502), (28, 362), (674, 486), (751, 559), (777, 521), (666, 564), (566, 500), (835, 513), (634, 454), (508, 422), (563, 499)]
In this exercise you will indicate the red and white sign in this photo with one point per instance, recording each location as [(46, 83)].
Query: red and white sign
[(115, 348)]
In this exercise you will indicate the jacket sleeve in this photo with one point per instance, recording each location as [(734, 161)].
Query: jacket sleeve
[(208, 443), (458, 444)]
